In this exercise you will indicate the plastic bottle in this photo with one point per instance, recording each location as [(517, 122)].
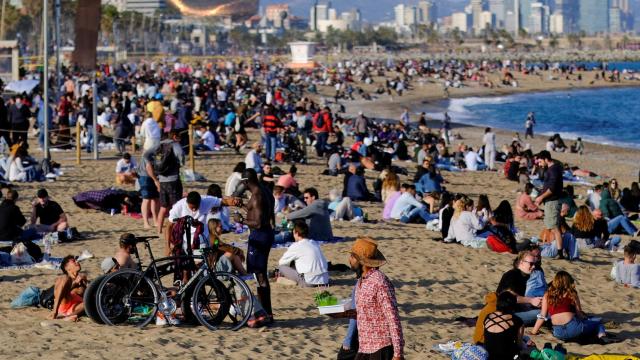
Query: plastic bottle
[(47, 247)]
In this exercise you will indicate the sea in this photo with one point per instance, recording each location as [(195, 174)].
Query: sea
[(605, 115)]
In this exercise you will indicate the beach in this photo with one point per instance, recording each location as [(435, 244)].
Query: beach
[(435, 282)]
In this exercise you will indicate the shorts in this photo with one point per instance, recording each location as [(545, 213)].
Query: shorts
[(67, 306), (170, 193), (258, 249), (552, 214), (148, 189)]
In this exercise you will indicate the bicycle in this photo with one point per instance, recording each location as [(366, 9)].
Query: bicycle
[(135, 296)]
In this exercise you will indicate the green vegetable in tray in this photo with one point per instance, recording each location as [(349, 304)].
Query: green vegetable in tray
[(325, 298)]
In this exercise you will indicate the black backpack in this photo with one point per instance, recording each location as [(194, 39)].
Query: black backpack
[(168, 163), (318, 121), (46, 298)]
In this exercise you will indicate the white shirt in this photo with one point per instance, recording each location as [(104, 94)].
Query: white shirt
[(150, 130), (232, 183), (123, 167), (253, 161), (209, 140), (464, 228), (472, 159), (181, 209), (310, 261), (489, 141), (402, 204)]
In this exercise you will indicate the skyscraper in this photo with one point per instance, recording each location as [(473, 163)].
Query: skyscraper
[(497, 7), (594, 16), (427, 12), (477, 6), (525, 14)]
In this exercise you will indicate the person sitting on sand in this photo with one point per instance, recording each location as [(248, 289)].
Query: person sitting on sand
[(503, 331), (515, 282), (49, 213), (285, 203), (626, 271), (615, 217), (253, 159), (562, 304), (473, 161), (525, 208), (408, 209), (126, 170), (342, 208), (316, 214), (288, 181), (126, 246), (234, 186), (357, 187), (68, 290), (267, 178), (303, 262), (234, 254), (465, 225), (591, 230)]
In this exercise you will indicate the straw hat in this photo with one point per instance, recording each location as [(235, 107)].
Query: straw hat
[(365, 250)]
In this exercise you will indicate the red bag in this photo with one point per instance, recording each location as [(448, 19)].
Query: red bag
[(494, 243)]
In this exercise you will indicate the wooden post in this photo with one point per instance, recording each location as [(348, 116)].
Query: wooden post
[(78, 142), (192, 161), (133, 145)]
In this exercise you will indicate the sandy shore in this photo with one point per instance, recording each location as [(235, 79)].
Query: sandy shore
[(434, 282)]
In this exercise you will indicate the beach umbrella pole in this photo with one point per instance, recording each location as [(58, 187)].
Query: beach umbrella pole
[(45, 74)]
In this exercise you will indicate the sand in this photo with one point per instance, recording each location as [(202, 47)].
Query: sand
[(435, 282)]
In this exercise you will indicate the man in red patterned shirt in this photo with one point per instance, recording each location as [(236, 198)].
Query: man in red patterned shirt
[(379, 328)]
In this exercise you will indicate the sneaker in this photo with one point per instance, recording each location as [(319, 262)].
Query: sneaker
[(161, 320), (173, 320)]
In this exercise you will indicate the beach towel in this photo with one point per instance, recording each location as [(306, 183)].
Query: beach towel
[(52, 264)]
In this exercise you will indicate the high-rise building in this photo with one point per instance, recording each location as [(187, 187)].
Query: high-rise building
[(569, 9), (462, 21), (539, 18), (497, 7), (615, 20), (477, 7), (594, 16), (427, 12), (487, 20), (524, 14)]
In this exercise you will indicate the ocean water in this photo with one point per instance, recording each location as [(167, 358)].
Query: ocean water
[(606, 116)]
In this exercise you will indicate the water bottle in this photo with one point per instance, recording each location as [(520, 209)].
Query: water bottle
[(47, 247)]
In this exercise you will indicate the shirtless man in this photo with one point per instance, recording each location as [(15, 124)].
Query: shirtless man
[(260, 219), (69, 290), (123, 255)]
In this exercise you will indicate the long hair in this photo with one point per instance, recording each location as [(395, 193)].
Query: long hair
[(391, 181), (562, 286), (458, 207), (214, 236), (584, 220), (483, 203)]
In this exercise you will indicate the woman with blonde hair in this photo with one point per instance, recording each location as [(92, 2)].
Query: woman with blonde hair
[(588, 230), (562, 304), (465, 225), (390, 184)]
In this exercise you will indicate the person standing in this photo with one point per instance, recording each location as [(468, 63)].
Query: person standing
[(489, 141), (550, 196), (405, 118), (261, 220), (5, 125), (322, 127), (528, 125), (446, 128), (19, 114), (270, 124), (168, 170), (150, 131), (379, 329)]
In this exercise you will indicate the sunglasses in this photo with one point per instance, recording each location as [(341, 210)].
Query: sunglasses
[(531, 263)]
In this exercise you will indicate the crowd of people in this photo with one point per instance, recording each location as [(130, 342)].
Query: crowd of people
[(155, 104)]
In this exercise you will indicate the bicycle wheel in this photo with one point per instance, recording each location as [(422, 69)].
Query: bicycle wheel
[(127, 297), (90, 300), (230, 312), (210, 302)]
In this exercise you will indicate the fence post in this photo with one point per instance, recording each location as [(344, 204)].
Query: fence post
[(133, 145), (192, 161), (78, 142)]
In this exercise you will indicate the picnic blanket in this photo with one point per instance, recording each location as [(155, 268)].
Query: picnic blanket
[(52, 264)]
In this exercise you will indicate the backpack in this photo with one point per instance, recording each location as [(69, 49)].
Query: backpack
[(318, 121), (470, 352), (168, 161), (46, 298)]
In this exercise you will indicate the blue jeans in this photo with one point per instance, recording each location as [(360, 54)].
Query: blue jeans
[(321, 143), (283, 237), (621, 220), (568, 243), (528, 317), (417, 213), (578, 328), (270, 142), (89, 130)]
